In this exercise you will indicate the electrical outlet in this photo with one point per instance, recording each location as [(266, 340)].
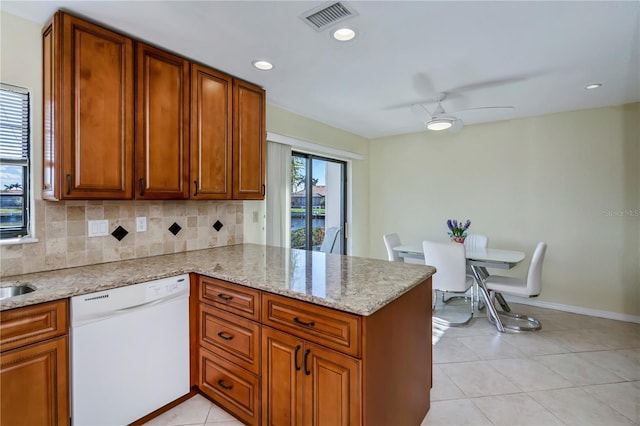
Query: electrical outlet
[(98, 228), (255, 217), (141, 224)]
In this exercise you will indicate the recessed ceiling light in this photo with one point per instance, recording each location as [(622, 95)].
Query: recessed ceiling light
[(593, 86), (262, 65), (344, 34)]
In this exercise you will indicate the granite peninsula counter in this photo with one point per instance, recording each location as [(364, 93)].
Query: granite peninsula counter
[(343, 339), (351, 284)]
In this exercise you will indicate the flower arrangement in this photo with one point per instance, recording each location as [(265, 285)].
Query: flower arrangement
[(458, 231)]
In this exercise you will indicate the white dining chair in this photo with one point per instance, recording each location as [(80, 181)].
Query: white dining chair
[(329, 243), (531, 287), (450, 277), (476, 241), (391, 241)]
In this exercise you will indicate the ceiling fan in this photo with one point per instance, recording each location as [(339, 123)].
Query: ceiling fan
[(438, 119)]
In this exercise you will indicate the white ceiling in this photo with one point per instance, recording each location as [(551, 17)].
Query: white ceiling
[(536, 56)]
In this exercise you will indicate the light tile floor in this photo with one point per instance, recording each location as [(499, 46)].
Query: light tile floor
[(577, 370)]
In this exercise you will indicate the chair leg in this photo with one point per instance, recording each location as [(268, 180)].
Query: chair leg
[(503, 303), (534, 324)]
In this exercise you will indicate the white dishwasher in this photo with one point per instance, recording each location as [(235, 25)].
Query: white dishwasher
[(129, 351)]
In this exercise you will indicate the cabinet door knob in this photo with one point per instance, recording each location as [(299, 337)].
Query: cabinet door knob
[(195, 184), (68, 184), (295, 358), (306, 358), (142, 186)]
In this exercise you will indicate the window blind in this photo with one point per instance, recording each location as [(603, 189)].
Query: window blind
[(14, 124)]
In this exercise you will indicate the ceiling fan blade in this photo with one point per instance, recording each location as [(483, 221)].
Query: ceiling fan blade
[(487, 84), (420, 110), (485, 107), (422, 84)]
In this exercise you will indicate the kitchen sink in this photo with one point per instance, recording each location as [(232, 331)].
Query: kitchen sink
[(16, 290)]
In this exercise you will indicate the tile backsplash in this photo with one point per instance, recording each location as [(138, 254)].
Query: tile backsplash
[(62, 231)]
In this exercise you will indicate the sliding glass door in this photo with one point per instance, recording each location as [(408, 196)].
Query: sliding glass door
[(318, 194)]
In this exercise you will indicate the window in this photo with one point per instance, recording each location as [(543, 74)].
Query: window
[(318, 215), (14, 161)]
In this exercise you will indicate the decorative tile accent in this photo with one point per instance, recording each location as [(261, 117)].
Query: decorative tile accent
[(119, 233), (218, 225), (175, 228), (62, 225)]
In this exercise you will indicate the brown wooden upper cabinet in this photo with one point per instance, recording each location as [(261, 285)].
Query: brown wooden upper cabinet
[(249, 141), (211, 134), (196, 133), (162, 124), (88, 111)]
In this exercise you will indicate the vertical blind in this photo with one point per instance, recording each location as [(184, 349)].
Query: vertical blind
[(14, 125)]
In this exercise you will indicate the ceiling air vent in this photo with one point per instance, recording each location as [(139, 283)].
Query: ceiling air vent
[(327, 14)]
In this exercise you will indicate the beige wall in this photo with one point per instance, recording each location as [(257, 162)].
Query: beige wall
[(286, 123), (570, 179), (21, 65)]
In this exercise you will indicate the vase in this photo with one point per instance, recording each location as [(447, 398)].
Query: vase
[(458, 239)]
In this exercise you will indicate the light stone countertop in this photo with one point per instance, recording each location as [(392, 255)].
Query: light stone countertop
[(352, 284)]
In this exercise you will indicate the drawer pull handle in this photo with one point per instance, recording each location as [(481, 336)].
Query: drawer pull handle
[(306, 356), (195, 185), (225, 336), (295, 358), (68, 184), (306, 324), (223, 386), (225, 297)]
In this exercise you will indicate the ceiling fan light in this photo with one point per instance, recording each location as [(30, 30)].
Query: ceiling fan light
[(438, 124)]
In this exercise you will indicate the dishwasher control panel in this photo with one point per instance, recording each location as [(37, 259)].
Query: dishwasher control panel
[(103, 304), (167, 286)]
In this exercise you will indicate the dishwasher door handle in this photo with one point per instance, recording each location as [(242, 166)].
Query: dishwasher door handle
[(141, 305)]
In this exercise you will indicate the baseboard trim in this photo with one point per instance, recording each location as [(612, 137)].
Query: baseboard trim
[(575, 309)]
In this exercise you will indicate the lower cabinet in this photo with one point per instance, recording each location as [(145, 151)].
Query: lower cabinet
[(274, 360), (308, 384), (229, 347), (34, 365)]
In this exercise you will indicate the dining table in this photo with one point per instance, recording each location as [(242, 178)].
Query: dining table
[(479, 259)]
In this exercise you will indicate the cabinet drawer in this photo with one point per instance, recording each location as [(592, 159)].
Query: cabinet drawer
[(232, 298), (325, 326), (231, 387), (22, 326), (236, 339)]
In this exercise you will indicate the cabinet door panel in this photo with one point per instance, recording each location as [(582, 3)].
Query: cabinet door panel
[(234, 298), (34, 385), (234, 338), (97, 113), (230, 387), (249, 141), (30, 324), (332, 388), (329, 327), (162, 124), (282, 356), (211, 128)]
